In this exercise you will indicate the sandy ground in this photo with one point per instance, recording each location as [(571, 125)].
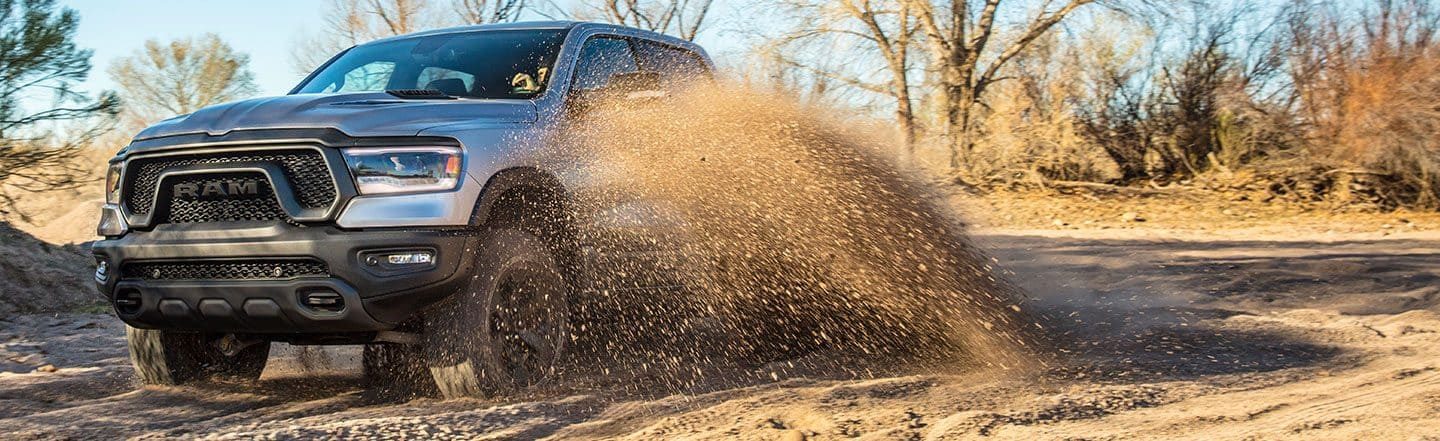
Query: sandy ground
[(1190, 335)]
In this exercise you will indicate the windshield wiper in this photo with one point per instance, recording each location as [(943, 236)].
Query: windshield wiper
[(420, 94)]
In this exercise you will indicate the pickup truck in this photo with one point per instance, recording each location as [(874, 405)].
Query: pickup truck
[(390, 200)]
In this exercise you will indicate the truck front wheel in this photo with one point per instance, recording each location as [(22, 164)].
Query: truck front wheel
[(173, 358), (509, 328)]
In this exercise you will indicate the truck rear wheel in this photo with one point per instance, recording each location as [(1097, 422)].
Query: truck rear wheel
[(509, 328), (174, 358)]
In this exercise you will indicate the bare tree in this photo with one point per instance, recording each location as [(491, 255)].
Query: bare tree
[(771, 68), (963, 46), (882, 29), (166, 79), (894, 46), (958, 35), (352, 22), (682, 18), (38, 57), (489, 11), (1113, 101)]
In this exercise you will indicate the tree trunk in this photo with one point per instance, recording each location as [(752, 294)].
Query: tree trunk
[(904, 114), (959, 111), (906, 120)]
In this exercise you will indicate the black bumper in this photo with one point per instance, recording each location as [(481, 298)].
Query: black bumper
[(375, 297)]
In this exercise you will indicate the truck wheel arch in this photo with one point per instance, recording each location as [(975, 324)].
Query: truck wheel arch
[(500, 191), (535, 202)]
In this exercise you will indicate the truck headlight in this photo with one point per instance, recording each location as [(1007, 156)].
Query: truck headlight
[(112, 183), (382, 170)]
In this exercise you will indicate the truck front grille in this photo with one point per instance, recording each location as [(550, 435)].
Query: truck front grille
[(305, 169), (259, 206), (271, 269)]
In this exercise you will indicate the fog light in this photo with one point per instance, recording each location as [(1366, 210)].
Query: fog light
[(102, 270), (420, 258)]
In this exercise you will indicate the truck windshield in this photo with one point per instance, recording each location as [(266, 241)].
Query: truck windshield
[(482, 64)]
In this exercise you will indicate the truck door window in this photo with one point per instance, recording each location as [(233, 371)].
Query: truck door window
[(677, 67), (601, 58)]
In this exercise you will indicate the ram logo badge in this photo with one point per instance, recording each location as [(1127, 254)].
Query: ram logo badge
[(217, 188)]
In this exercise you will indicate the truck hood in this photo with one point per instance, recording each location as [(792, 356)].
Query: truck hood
[(358, 114)]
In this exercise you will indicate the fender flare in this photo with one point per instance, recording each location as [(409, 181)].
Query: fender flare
[(510, 178)]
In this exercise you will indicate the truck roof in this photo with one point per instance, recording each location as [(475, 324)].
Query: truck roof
[(558, 24)]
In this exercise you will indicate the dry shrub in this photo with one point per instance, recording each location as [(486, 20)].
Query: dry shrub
[(71, 175), (1388, 123), (1028, 131), (1327, 106), (1370, 96)]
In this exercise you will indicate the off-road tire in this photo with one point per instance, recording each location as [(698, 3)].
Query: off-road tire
[(509, 328), (174, 358)]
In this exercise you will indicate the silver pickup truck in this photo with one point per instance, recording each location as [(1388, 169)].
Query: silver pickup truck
[(390, 200)]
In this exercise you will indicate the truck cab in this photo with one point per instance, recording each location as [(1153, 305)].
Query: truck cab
[(395, 198)]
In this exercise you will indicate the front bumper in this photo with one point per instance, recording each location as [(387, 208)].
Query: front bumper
[(374, 297)]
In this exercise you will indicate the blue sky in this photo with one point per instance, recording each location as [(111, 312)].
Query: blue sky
[(264, 29)]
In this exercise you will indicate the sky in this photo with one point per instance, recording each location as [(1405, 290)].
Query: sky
[(263, 29)]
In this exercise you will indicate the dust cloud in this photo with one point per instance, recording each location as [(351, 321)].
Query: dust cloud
[(794, 236)]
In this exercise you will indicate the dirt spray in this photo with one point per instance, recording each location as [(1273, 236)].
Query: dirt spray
[(796, 235)]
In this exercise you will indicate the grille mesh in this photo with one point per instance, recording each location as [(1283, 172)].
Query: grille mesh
[(304, 169), (225, 270)]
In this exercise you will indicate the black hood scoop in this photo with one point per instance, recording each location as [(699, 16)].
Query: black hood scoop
[(419, 94)]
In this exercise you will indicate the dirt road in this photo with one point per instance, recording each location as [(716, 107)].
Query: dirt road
[(1280, 337)]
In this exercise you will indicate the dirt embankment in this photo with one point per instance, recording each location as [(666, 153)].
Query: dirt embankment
[(62, 216), (38, 276)]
